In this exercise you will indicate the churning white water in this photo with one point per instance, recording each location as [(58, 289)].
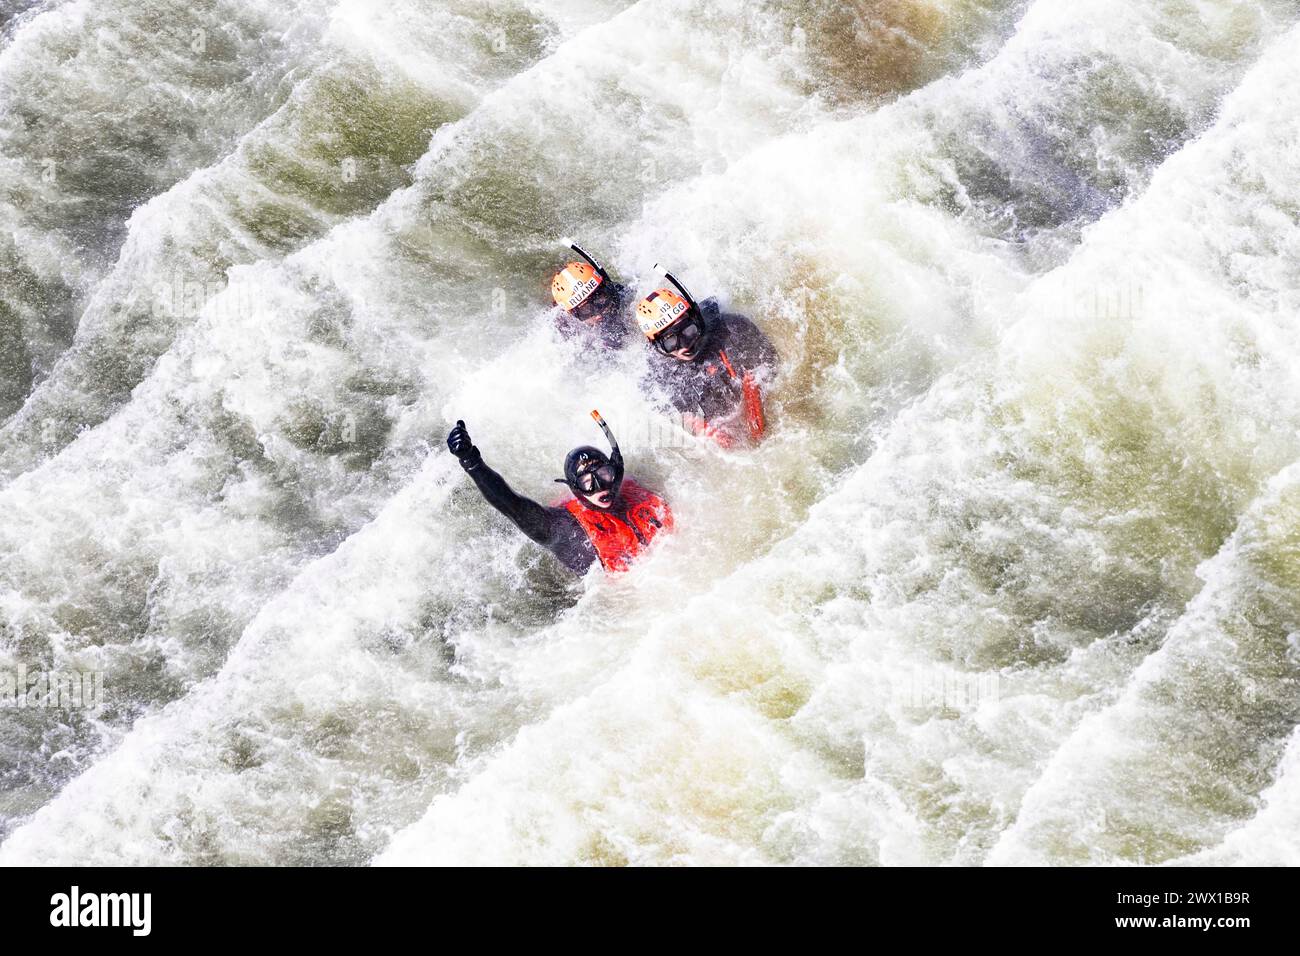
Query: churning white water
[(1014, 579)]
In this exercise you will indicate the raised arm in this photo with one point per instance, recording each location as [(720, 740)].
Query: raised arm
[(531, 518)]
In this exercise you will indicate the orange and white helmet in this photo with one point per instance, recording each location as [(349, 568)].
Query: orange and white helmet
[(660, 309), (574, 284)]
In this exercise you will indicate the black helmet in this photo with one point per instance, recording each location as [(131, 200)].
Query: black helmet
[(588, 470)]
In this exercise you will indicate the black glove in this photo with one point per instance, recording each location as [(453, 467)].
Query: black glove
[(458, 444)]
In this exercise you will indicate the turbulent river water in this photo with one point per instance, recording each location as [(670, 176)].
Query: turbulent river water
[(1015, 578)]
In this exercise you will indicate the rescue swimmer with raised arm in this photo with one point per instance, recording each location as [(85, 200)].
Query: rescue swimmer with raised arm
[(610, 517)]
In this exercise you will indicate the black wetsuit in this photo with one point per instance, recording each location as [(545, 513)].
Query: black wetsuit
[(553, 528), (704, 386)]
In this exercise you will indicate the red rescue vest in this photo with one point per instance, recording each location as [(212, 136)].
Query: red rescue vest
[(753, 402), (620, 539)]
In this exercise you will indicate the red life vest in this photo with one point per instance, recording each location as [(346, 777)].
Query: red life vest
[(620, 539), (752, 398)]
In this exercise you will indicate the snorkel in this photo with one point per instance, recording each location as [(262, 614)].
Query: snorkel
[(616, 456), (591, 260)]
